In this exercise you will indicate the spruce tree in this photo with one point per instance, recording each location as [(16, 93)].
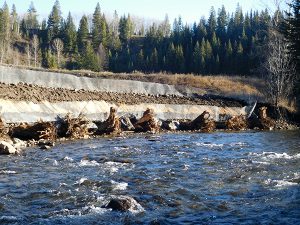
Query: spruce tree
[(197, 59), (31, 18), (96, 27), (70, 35), (222, 23), (82, 34), (54, 21), (292, 31), (212, 22)]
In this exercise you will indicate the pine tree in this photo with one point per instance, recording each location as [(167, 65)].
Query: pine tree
[(82, 34), (4, 31)]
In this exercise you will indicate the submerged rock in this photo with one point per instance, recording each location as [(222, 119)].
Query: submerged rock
[(124, 203), (148, 122), (6, 148)]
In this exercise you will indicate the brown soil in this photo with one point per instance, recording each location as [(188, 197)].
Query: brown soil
[(36, 94)]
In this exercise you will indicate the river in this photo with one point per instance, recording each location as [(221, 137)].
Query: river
[(218, 178)]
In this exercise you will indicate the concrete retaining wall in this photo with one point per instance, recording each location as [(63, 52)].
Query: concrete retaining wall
[(12, 75), (13, 112)]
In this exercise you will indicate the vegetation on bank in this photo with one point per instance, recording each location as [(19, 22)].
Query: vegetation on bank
[(224, 43), (237, 43)]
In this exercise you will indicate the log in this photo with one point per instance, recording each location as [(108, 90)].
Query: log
[(202, 123)]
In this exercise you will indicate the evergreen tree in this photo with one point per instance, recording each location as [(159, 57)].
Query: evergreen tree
[(222, 24), (31, 18), (197, 59), (125, 29), (14, 21), (82, 34), (70, 35), (54, 21), (212, 23), (292, 31), (96, 27)]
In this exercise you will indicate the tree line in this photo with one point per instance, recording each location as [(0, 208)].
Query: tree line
[(224, 43)]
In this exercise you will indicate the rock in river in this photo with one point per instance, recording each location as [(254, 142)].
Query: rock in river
[(124, 203), (6, 148)]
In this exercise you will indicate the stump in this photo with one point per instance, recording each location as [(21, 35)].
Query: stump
[(147, 123), (237, 123), (202, 122), (110, 126), (37, 131), (73, 127)]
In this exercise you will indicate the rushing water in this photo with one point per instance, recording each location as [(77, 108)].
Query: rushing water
[(219, 178)]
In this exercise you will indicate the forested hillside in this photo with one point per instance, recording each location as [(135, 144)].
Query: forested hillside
[(227, 43)]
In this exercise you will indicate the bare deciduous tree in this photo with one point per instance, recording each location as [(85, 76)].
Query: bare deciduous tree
[(28, 52), (58, 46), (280, 69), (102, 55), (35, 45)]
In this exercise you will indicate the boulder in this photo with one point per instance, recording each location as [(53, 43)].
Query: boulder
[(6, 148), (171, 125), (110, 126), (126, 124), (124, 203), (148, 122), (19, 144)]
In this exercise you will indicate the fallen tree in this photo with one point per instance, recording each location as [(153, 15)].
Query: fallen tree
[(202, 123)]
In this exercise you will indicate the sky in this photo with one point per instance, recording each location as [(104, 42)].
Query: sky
[(189, 10)]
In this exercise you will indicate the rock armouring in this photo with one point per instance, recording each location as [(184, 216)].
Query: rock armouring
[(44, 134)]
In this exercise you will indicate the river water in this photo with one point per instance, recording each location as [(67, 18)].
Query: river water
[(219, 178)]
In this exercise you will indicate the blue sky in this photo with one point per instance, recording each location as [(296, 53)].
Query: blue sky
[(190, 10)]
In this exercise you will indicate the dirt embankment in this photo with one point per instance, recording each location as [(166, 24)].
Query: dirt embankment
[(36, 94)]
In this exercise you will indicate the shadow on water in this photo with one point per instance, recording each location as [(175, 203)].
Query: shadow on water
[(241, 178)]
